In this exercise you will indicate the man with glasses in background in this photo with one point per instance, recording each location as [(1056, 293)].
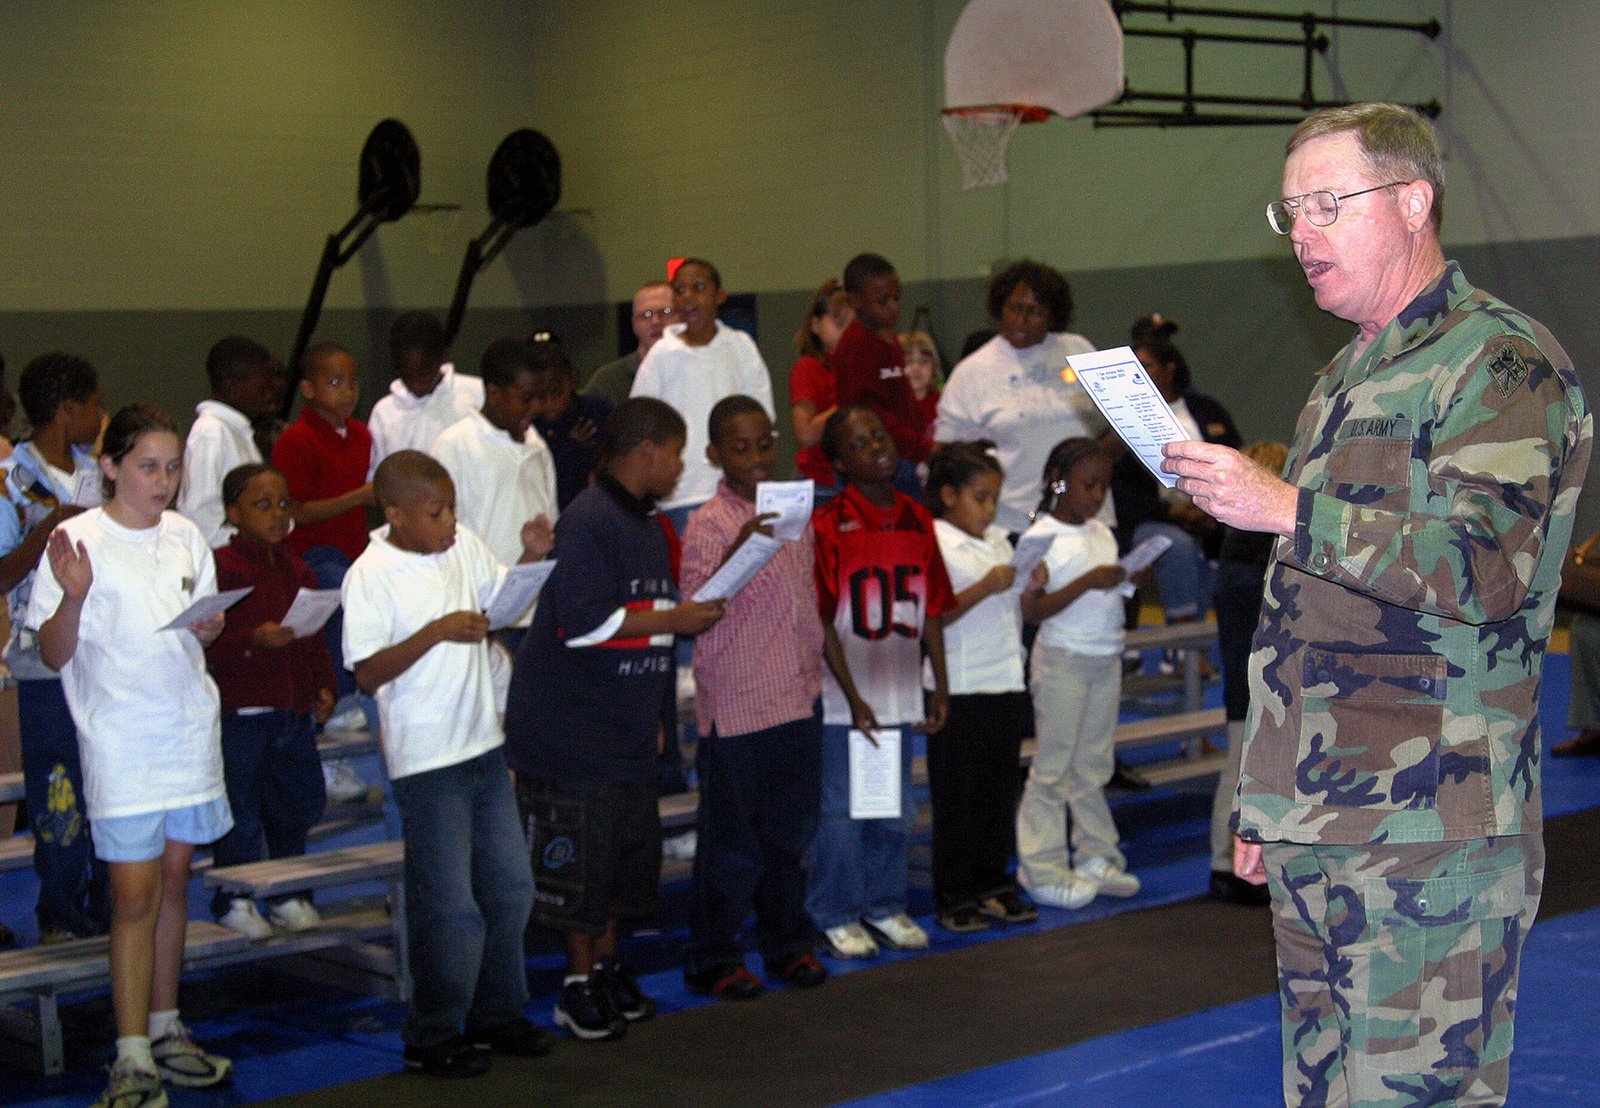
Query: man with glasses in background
[(1390, 786), (652, 311)]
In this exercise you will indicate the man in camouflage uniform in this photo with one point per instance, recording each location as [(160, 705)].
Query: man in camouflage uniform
[(1389, 794)]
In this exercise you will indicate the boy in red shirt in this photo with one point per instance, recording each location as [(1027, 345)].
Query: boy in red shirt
[(325, 456), (870, 365)]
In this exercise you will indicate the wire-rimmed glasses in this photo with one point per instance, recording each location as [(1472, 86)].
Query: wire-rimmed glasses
[(1320, 208)]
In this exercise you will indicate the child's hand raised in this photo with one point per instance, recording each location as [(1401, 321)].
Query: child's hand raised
[(70, 565), (999, 579), (272, 636), (1105, 577), (207, 630), (462, 626), (582, 431), (1038, 579), (538, 537), (694, 616), (762, 523)]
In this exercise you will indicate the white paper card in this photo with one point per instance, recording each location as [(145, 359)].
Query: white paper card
[(742, 565), (206, 607), (310, 610), (875, 775), (792, 500), (87, 492), (517, 592), (1131, 403), (1141, 557), (1030, 551)]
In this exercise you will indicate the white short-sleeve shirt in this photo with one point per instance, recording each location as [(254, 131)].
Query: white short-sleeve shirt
[(147, 713), (692, 379), (1091, 624), (983, 649), (500, 484), (220, 440), (441, 711)]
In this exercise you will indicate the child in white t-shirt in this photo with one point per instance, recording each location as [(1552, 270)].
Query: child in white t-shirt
[(427, 394), (148, 727), (1076, 680), (414, 632), (504, 476), (972, 761)]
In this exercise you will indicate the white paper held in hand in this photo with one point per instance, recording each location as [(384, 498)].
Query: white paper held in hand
[(742, 565), (1141, 557), (1131, 403), (792, 501), (1030, 551), (517, 592), (87, 491), (206, 607), (875, 775), (310, 610)]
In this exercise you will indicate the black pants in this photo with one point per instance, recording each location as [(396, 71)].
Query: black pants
[(972, 780)]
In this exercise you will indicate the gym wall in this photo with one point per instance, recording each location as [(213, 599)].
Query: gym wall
[(171, 169)]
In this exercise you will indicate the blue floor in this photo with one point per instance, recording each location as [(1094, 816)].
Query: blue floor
[(288, 1037)]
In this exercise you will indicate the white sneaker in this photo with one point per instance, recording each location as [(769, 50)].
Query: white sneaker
[(342, 782), (130, 1085), (899, 932), (1074, 894), (680, 848), (850, 940), (1109, 878), (297, 914), (244, 917)]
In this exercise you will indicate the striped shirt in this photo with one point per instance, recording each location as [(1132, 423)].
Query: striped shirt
[(761, 664)]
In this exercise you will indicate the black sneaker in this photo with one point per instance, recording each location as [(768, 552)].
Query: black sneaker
[(582, 1008), (518, 1038), (963, 918), (1008, 907), (455, 1057), (803, 971), (622, 990), (726, 982), (1124, 777)]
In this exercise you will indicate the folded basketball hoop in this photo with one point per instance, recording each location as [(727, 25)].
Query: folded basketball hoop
[(1011, 62)]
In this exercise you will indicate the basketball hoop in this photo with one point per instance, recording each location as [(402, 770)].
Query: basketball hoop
[(981, 137), (1010, 62)]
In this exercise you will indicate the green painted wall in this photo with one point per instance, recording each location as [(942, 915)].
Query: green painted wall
[(169, 168)]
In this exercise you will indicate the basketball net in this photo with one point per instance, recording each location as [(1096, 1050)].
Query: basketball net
[(981, 137)]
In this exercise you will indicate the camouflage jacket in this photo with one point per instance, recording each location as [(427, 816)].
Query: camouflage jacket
[(1395, 673)]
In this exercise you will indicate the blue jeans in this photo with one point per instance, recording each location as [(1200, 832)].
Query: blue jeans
[(274, 779), (759, 797), (469, 888), (74, 894), (858, 866), (1182, 574)]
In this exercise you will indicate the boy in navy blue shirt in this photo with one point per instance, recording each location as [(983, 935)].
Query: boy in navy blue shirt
[(582, 716)]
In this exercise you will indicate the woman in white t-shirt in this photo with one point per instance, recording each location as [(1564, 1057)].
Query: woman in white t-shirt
[(148, 727), (1010, 390)]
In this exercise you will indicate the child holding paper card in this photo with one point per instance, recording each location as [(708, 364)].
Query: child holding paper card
[(148, 728), (758, 673), (972, 763), (1076, 681), (276, 689), (882, 592)]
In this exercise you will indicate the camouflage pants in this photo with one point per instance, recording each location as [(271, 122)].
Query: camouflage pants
[(1397, 967)]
